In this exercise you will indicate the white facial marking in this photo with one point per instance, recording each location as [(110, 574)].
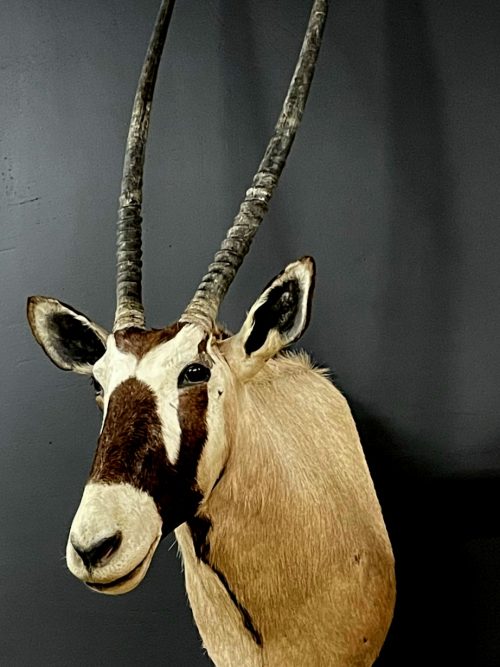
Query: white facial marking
[(112, 369), (159, 369), (104, 510), (214, 455)]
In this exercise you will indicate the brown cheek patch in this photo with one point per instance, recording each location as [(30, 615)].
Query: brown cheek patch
[(131, 449), (192, 410)]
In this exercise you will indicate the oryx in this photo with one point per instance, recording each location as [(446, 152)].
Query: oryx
[(247, 452)]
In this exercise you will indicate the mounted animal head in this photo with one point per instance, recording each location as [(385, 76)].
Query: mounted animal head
[(168, 396)]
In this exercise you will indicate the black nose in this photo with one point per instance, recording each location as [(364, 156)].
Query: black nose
[(100, 552)]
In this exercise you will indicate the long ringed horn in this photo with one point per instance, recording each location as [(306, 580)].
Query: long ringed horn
[(129, 308), (205, 304)]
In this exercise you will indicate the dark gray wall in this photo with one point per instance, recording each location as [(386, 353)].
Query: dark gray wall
[(392, 186)]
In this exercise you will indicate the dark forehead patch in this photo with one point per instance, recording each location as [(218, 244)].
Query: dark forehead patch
[(140, 342)]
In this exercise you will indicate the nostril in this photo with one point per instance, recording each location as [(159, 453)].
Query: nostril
[(100, 552)]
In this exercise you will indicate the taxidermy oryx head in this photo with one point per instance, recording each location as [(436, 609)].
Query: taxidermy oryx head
[(249, 454), (162, 393)]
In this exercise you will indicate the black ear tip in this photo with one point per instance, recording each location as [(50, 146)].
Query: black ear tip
[(309, 262)]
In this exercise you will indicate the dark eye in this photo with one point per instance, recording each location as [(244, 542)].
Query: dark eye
[(99, 391), (193, 374)]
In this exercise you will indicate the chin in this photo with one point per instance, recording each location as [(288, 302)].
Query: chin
[(111, 582)]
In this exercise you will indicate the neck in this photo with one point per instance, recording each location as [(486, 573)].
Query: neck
[(273, 535)]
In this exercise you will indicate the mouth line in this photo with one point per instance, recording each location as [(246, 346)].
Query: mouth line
[(120, 580)]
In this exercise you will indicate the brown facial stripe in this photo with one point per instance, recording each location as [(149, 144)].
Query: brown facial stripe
[(202, 345), (192, 411), (140, 342), (131, 449)]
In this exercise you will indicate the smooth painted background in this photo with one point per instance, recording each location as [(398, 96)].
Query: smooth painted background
[(392, 185)]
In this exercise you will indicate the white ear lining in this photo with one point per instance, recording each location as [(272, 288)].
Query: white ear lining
[(304, 274), (247, 364)]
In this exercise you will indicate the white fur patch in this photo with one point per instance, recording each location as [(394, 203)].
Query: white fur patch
[(112, 369), (214, 455), (160, 369), (104, 510)]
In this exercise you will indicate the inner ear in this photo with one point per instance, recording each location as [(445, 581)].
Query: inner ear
[(278, 318), (70, 340), (76, 340), (278, 312)]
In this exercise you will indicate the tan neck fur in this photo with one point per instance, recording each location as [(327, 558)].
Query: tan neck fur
[(297, 532)]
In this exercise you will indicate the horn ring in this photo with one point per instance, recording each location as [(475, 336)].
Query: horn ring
[(206, 301), (129, 308)]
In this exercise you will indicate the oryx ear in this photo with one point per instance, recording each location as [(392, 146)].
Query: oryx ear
[(278, 318), (69, 339)]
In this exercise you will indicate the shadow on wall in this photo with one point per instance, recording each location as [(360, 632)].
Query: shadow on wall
[(422, 256), (446, 540), (445, 531)]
